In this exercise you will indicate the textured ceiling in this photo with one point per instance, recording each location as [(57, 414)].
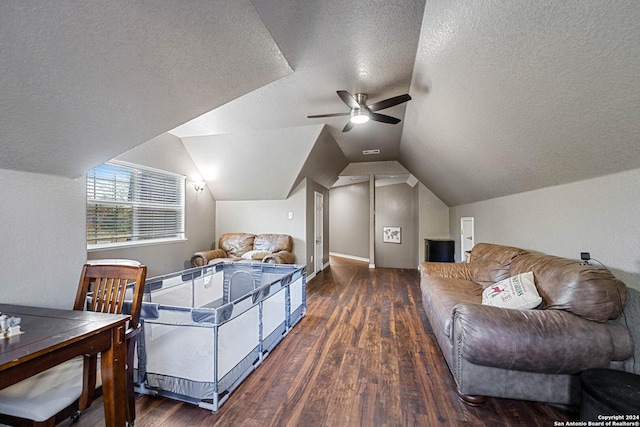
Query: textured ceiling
[(264, 164), (508, 96), (82, 82), (331, 45), (511, 96)]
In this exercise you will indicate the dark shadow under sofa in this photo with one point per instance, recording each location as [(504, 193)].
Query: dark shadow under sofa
[(535, 354), (246, 247)]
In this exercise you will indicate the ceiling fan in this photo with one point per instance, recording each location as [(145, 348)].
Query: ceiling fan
[(361, 112)]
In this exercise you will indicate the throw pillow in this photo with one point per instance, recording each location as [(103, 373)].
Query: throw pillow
[(517, 292), (255, 254)]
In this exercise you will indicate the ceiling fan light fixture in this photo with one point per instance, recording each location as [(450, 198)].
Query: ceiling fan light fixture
[(361, 113), (359, 116)]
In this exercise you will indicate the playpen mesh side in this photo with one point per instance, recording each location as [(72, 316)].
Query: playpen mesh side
[(297, 301), (200, 339), (274, 318), (179, 357)]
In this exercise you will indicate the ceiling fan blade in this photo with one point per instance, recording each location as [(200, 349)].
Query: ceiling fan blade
[(348, 126), (348, 99), (390, 102), (328, 115), (383, 118)]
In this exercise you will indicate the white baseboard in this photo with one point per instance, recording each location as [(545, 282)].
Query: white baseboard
[(356, 258), (313, 274)]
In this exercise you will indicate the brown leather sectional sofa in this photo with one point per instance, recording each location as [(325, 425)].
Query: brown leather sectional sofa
[(271, 248), (534, 354)]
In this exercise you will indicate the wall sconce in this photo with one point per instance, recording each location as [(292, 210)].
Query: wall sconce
[(199, 186)]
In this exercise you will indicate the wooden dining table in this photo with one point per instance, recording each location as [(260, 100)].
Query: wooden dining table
[(52, 336)]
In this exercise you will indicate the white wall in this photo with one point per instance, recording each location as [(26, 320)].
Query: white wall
[(349, 220), (600, 215), (43, 238), (311, 188), (266, 216), (395, 205), (433, 220)]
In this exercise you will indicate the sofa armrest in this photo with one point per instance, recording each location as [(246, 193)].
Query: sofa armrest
[(445, 269), (202, 258), (549, 341), (282, 257)]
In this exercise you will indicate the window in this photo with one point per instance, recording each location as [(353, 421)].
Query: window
[(129, 204)]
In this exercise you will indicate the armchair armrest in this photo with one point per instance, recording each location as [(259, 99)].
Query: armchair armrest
[(282, 257), (550, 341), (458, 270), (202, 258)]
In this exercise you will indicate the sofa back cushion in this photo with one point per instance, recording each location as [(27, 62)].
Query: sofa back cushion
[(564, 284), (490, 263), (236, 244), (273, 243)]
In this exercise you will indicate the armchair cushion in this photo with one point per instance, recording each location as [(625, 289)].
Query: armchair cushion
[(273, 242), (255, 254), (236, 244)]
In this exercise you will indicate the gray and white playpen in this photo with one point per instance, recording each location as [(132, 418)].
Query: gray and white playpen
[(206, 329)]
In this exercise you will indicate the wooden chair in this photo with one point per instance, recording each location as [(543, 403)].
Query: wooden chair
[(68, 389)]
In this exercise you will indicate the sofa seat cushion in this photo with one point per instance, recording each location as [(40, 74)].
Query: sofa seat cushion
[(441, 295), (546, 341), (565, 284)]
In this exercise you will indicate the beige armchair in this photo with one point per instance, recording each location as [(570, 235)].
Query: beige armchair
[(245, 247)]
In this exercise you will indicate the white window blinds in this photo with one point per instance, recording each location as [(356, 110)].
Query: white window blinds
[(129, 204)]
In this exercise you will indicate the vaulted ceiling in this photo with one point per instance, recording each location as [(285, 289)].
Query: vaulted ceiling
[(508, 96)]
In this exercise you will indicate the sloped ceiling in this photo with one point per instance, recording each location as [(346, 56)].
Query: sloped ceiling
[(388, 172), (324, 162), (264, 164), (510, 96), (363, 46), (82, 82), (332, 45)]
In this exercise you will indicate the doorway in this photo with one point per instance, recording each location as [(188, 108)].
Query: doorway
[(318, 252), (466, 238)]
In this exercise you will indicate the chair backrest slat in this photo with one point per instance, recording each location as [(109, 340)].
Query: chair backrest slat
[(103, 288)]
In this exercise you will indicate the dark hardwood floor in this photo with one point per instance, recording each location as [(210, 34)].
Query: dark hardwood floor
[(363, 356)]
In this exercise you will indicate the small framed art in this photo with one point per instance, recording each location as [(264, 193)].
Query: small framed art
[(391, 234)]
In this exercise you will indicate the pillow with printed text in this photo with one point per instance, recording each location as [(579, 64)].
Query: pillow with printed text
[(517, 292)]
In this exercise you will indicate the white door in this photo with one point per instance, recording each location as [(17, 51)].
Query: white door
[(466, 237), (318, 252)]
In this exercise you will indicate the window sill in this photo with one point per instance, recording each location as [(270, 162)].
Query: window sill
[(127, 245)]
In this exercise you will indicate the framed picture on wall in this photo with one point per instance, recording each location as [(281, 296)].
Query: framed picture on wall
[(391, 234)]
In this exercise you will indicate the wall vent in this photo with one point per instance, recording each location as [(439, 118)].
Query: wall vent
[(369, 152)]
